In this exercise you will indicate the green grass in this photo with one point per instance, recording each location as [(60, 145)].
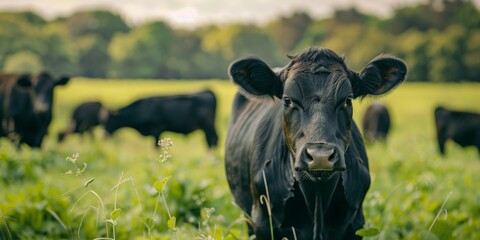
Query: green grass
[(410, 181)]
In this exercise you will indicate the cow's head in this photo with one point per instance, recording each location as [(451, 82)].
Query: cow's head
[(316, 89), (24, 82), (112, 122), (43, 86)]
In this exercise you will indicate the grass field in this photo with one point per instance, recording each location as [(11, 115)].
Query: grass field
[(415, 193)]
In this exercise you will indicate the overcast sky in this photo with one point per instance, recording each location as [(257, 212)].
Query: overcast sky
[(190, 13)]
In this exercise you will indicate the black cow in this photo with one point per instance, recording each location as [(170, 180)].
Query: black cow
[(26, 106), (376, 123), (302, 146), (85, 118), (459, 126), (183, 113)]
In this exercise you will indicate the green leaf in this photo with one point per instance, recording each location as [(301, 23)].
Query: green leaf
[(89, 181), (113, 222), (229, 237), (160, 185), (115, 213), (367, 232), (171, 223)]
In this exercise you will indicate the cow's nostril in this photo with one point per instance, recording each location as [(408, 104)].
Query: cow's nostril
[(333, 157), (307, 154)]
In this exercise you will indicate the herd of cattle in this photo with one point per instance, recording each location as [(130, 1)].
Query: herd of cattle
[(291, 135), (27, 101), (151, 116)]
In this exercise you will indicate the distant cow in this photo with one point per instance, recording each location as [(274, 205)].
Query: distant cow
[(183, 113), (461, 127), (293, 135), (85, 118), (26, 106), (376, 123)]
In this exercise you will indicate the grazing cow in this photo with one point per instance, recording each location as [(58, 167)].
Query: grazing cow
[(177, 113), (85, 118), (461, 127), (26, 106), (292, 139), (376, 123)]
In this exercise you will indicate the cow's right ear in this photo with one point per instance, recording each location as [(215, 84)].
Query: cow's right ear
[(256, 78), (24, 81), (62, 81)]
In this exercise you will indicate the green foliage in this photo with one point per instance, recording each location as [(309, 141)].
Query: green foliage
[(470, 58), (23, 62), (438, 40), (56, 50), (289, 31), (142, 52), (367, 232), (412, 47), (101, 23), (92, 56), (445, 51)]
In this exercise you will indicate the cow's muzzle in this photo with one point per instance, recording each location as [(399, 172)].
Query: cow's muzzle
[(320, 157)]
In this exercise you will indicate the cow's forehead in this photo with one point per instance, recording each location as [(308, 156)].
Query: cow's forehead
[(42, 80), (322, 84)]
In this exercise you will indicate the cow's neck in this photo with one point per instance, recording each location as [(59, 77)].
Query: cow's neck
[(317, 198)]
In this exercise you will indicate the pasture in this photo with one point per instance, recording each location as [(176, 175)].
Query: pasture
[(415, 193)]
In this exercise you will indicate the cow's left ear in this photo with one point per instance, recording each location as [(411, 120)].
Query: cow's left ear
[(381, 75), (62, 80), (256, 78)]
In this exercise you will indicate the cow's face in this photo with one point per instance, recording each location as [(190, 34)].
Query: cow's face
[(316, 90), (43, 86), (317, 119)]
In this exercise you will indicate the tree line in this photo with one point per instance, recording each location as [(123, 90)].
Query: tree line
[(439, 40)]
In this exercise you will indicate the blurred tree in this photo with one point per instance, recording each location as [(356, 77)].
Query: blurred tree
[(250, 41), (421, 17), (23, 62), (343, 39), (26, 32), (141, 53), (57, 52), (100, 22), (445, 51), (471, 58), (412, 47), (435, 14), (352, 15), (289, 31), (190, 61), (28, 17), (358, 43), (438, 39), (371, 43), (91, 32), (93, 58), (237, 41), (16, 34), (315, 34), (461, 12)]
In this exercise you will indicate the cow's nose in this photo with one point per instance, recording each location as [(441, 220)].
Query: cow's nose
[(321, 157)]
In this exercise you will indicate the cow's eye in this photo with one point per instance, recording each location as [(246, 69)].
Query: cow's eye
[(348, 101), (287, 102)]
